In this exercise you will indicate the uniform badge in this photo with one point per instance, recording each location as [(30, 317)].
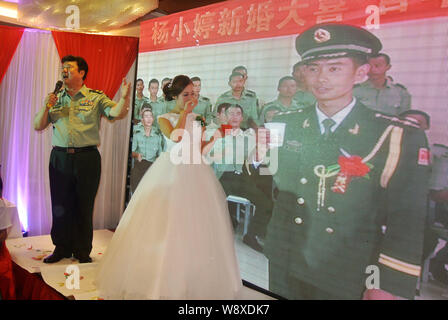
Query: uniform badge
[(348, 166), (354, 130), (306, 124), (86, 103), (423, 157), (322, 35)]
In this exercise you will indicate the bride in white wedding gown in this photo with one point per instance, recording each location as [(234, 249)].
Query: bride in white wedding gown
[(175, 239)]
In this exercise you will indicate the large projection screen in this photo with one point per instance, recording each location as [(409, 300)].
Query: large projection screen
[(418, 48)]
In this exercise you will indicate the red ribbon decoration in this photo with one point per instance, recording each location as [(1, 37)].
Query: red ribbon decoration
[(350, 167)]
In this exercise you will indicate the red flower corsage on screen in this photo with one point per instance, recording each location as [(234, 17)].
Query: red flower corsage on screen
[(351, 166)]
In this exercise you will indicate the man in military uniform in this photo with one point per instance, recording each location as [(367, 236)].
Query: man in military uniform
[(140, 99), (169, 105), (302, 95), (158, 104), (380, 93), (339, 161), (204, 106), (147, 144), (227, 155), (75, 163), (438, 186), (243, 71), (239, 95), (287, 87)]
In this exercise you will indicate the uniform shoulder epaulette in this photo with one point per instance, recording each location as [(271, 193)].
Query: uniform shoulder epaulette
[(397, 121), (138, 127), (440, 145), (250, 94), (400, 86), (251, 91), (205, 98), (226, 94), (96, 91), (289, 112), (362, 84), (272, 107), (271, 103)]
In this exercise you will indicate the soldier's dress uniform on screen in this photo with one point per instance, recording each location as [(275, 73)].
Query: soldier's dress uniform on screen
[(334, 174)]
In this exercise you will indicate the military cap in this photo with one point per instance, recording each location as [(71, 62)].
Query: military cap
[(235, 74), (334, 41)]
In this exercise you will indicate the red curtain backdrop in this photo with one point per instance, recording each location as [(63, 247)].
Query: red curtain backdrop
[(10, 38), (7, 289), (109, 57)]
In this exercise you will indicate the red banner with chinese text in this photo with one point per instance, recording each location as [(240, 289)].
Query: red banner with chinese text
[(239, 20)]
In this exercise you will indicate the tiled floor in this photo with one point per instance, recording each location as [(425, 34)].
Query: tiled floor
[(253, 265)]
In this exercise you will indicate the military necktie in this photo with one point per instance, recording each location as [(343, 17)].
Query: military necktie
[(328, 123)]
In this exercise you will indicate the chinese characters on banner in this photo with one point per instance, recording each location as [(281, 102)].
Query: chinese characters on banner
[(240, 20)]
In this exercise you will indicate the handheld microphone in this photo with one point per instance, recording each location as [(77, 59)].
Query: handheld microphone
[(58, 87)]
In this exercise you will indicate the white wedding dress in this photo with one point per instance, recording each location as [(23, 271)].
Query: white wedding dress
[(175, 239)]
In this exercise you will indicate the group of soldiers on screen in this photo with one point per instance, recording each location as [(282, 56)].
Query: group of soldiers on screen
[(379, 92)]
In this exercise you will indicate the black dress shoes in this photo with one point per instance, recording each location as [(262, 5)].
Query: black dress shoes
[(55, 257), (83, 258)]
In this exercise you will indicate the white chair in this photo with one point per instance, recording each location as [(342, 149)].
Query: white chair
[(248, 209)]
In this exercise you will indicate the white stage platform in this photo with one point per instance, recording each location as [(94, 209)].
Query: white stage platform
[(29, 252)]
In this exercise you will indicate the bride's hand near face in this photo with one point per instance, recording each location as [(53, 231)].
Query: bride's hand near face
[(190, 105)]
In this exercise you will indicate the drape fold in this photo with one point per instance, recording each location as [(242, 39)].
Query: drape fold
[(11, 37), (109, 57)]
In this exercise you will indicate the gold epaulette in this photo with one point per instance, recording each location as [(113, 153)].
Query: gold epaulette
[(393, 157), (96, 91), (398, 121)]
